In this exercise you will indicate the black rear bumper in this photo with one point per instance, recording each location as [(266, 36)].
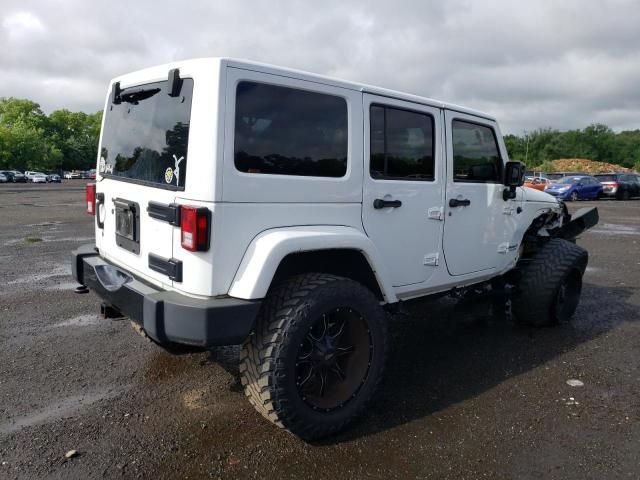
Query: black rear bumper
[(167, 317)]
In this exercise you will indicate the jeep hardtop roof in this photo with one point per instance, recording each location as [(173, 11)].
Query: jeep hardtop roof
[(312, 77)]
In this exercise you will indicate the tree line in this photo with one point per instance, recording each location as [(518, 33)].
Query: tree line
[(595, 142), (65, 140), (32, 140)]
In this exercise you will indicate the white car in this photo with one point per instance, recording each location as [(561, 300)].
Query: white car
[(286, 211), (3, 178), (35, 177)]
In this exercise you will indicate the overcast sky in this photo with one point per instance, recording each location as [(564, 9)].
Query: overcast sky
[(562, 64)]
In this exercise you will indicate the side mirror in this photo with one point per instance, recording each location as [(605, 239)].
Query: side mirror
[(513, 177)]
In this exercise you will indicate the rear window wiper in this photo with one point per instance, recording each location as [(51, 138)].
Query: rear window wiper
[(136, 96)]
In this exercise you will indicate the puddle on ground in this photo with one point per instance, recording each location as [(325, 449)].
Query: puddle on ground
[(69, 239), (64, 408), (48, 238), (79, 321), (45, 224), (58, 271), (615, 229), (64, 286)]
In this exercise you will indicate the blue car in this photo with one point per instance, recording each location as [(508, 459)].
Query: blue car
[(575, 187)]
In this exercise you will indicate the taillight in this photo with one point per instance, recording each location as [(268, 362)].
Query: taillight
[(194, 228), (91, 198)]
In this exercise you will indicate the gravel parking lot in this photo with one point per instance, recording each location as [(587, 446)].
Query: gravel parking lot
[(463, 397)]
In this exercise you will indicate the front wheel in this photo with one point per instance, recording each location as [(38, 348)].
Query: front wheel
[(317, 354), (574, 196), (551, 283)]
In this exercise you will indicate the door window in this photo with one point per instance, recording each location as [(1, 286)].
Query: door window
[(402, 146), (476, 157)]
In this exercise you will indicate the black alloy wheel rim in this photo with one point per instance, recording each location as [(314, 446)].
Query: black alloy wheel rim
[(333, 359)]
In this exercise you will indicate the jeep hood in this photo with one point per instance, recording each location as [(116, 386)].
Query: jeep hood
[(533, 195)]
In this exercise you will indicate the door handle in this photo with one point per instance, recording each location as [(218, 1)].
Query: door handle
[(379, 203), (454, 202)]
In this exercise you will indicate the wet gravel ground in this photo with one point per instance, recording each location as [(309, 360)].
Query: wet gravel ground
[(465, 396)]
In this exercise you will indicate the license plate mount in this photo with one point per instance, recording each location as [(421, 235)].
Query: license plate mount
[(127, 225)]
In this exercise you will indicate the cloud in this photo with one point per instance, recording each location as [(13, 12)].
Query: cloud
[(532, 64)]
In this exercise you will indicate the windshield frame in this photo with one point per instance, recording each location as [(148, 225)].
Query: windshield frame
[(134, 88)]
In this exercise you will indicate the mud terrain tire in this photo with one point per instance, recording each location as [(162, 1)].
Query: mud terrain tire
[(550, 284), (295, 318)]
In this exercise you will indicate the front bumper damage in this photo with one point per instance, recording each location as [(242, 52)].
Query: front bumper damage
[(582, 220)]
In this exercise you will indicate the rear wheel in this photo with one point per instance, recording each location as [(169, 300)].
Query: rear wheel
[(550, 285), (317, 354), (625, 195)]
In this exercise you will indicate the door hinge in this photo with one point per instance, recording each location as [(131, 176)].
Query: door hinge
[(436, 213), (432, 259)]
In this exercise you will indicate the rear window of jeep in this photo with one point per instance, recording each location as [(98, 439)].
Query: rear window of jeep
[(287, 131), (145, 136)]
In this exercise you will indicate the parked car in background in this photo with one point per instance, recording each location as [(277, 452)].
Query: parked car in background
[(14, 176), (3, 178), (554, 177), (54, 178), (622, 186), (537, 183), (38, 178), (92, 174), (578, 187), (31, 175)]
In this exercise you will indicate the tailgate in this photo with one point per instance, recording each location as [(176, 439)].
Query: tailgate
[(143, 162)]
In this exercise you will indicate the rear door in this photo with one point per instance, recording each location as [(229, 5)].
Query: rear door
[(403, 186), (142, 168)]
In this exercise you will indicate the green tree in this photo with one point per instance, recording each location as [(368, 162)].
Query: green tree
[(75, 135)]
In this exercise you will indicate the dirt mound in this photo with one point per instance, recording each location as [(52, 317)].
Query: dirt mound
[(586, 166)]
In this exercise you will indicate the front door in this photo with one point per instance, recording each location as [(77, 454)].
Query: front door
[(478, 220), (403, 186)]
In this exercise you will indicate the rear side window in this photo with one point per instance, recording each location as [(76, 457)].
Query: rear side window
[(606, 178), (401, 144), (287, 131), (476, 157)]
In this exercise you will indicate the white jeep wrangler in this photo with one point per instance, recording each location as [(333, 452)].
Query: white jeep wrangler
[(237, 202)]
